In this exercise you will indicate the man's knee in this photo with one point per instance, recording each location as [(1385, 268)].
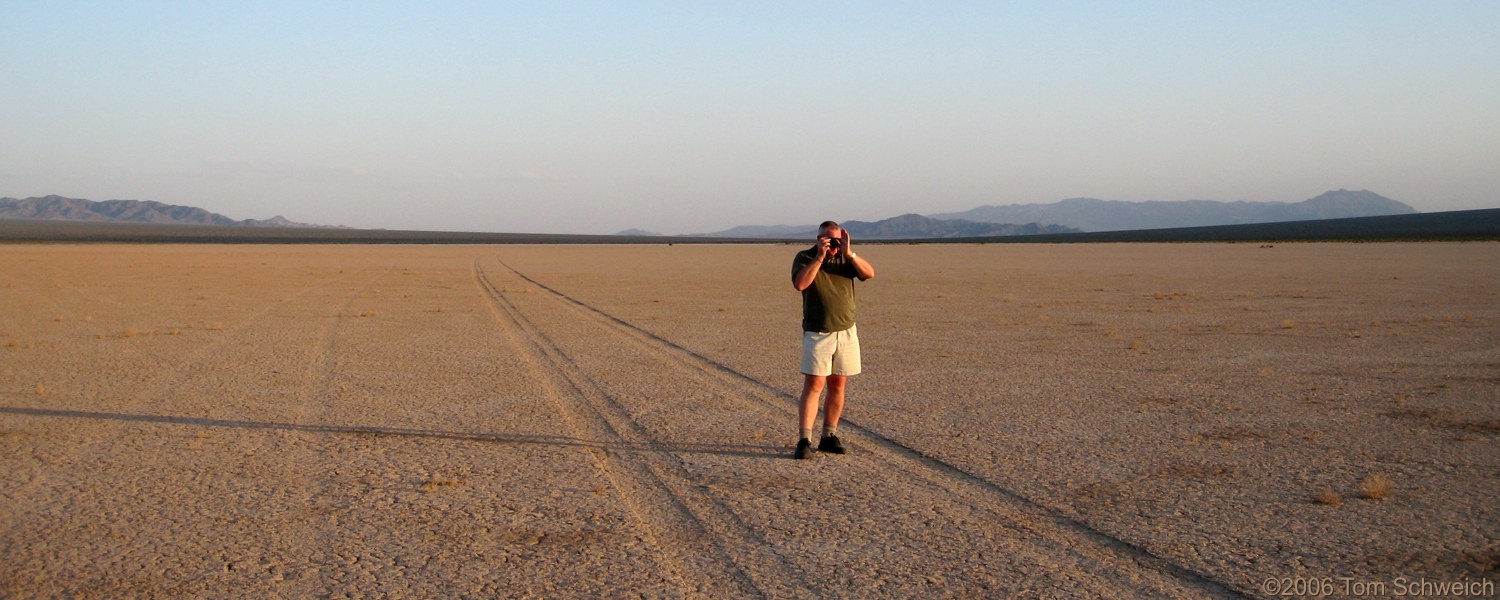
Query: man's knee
[(813, 383), (836, 382)]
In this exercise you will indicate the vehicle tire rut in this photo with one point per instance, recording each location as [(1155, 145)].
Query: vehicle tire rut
[(1113, 563), (692, 530)]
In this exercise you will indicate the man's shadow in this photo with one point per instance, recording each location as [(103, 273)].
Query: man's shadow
[(744, 450)]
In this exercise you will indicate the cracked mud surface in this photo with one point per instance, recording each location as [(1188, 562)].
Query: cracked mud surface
[(540, 421)]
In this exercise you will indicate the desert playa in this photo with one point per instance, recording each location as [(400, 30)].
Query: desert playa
[(1055, 421)]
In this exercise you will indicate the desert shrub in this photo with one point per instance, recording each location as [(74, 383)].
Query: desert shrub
[(1375, 487)]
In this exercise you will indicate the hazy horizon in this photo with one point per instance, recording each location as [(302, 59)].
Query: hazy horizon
[(681, 118)]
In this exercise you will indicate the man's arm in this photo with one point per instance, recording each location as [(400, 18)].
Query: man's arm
[(862, 268), (804, 277)]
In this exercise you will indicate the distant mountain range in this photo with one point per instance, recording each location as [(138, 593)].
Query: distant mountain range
[(1066, 216), (1091, 214), (912, 226), (58, 208), (904, 227)]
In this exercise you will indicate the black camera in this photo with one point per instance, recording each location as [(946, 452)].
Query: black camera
[(835, 243)]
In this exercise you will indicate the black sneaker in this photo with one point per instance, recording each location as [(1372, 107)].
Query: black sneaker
[(831, 444), (804, 449)]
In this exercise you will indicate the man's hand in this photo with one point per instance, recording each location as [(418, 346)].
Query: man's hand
[(804, 277), (844, 240), (825, 249)]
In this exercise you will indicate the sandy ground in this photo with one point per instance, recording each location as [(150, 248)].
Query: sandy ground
[(1049, 421)]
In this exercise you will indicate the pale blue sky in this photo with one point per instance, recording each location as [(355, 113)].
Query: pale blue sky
[(697, 116)]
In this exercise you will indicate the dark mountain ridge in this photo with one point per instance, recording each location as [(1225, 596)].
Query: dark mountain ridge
[(914, 226), (1092, 214), (1466, 225), (59, 208), (904, 227)]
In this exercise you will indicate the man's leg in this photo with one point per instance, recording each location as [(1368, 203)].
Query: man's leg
[(812, 387), (833, 406), (807, 410), (845, 363)]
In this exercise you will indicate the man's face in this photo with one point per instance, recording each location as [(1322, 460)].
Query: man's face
[(832, 234)]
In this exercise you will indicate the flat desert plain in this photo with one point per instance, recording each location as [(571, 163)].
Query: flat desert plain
[(1054, 421)]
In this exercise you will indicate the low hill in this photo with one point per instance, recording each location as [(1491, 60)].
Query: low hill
[(904, 227), (1461, 225), (1091, 214), (912, 226), (59, 208)]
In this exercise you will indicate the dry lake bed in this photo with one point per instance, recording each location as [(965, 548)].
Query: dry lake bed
[(1055, 421)]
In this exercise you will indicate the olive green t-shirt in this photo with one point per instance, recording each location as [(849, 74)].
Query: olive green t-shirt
[(827, 304)]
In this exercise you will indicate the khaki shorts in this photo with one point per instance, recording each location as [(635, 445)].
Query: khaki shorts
[(833, 353)]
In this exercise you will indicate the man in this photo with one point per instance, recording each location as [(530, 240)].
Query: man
[(825, 275)]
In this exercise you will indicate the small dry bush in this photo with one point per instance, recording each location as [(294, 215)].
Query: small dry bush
[(41, 390), (129, 332), (1288, 324), (1328, 497), (1375, 487), (437, 482)]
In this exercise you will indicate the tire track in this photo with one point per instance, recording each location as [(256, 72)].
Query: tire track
[(190, 389), (182, 372), (300, 458), (315, 397), (692, 529), (1117, 562)]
